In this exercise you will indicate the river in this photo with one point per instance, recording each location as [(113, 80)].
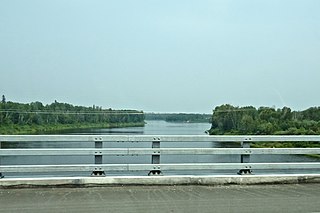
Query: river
[(151, 128)]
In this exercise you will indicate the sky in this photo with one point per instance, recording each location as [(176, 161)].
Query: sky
[(161, 55)]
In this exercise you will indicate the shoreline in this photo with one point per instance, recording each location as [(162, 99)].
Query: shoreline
[(51, 129)]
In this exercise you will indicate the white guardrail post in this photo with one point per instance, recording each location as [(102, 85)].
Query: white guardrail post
[(155, 158), (98, 143), (245, 158)]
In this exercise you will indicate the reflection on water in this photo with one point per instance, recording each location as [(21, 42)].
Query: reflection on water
[(151, 128), (112, 131), (166, 128)]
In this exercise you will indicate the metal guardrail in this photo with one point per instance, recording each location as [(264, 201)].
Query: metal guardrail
[(155, 167)]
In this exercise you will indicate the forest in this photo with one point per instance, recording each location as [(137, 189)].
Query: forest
[(228, 119), (17, 117), (179, 117), (231, 120)]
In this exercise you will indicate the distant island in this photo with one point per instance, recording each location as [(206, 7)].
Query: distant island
[(180, 117), (36, 118)]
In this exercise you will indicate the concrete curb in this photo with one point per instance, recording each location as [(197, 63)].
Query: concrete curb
[(158, 180)]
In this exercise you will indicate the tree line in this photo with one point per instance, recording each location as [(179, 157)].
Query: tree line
[(179, 117), (228, 119), (35, 113)]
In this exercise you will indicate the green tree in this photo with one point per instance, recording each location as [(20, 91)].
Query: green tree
[(247, 125), (227, 119), (3, 99)]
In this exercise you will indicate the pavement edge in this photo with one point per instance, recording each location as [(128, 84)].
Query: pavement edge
[(157, 180)]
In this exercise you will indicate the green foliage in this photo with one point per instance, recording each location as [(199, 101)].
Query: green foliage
[(230, 120), (3, 99), (17, 116), (58, 128), (179, 117), (227, 119)]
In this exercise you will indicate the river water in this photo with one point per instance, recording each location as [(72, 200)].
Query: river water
[(151, 128)]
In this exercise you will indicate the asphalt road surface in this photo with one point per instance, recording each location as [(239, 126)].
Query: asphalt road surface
[(231, 198)]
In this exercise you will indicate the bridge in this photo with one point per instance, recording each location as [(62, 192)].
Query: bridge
[(215, 183)]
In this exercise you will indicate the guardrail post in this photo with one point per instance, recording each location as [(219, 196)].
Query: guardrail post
[(98, 157), (245, 158), (155, 158)]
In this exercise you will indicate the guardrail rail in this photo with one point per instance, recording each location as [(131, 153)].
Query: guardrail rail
[(155, 167)]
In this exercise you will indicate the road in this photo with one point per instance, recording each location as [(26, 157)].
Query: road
[(227, 198)]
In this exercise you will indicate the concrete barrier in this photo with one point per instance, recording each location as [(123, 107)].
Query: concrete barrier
[(158, 180)]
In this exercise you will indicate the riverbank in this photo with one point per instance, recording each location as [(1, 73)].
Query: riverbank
[(15, 129), (286, 145), (289, 145)]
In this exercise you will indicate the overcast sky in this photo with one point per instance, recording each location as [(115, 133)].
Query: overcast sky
[(161, 55)]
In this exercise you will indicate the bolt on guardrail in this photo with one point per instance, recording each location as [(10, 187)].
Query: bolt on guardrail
[(155, 157), (98, 144)]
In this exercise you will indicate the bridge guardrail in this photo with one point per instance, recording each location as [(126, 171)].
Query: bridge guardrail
[(155, 167)]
